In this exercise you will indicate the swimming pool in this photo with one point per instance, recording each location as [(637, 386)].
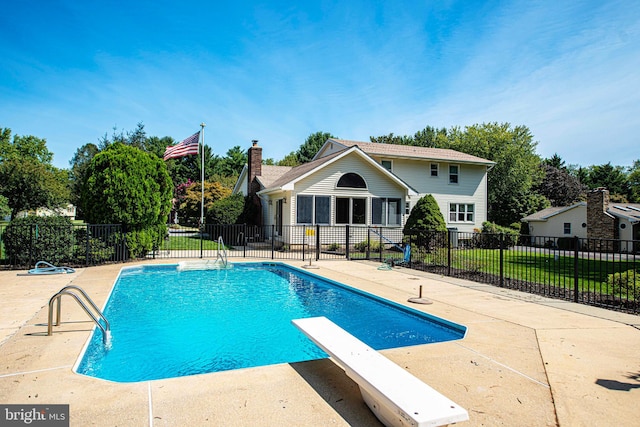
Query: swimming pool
[(169, 323)]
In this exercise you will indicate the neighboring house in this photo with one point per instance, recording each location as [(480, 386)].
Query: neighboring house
[(69, 211), (367, 184), (598, 218), (562, 221)]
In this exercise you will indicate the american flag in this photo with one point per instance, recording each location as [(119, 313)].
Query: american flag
[(185, 147)]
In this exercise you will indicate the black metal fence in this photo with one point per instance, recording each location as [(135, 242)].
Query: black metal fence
[(591, 271)]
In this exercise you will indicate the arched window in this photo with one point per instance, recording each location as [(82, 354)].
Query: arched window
[(351, 180)]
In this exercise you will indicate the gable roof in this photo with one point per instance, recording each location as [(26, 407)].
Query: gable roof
[(408, 151), (287, 180), (270, 173), (547, 213)]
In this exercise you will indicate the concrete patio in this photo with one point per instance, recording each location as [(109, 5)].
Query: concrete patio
[(526, 361)]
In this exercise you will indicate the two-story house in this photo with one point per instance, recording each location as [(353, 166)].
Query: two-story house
[(367, 184)]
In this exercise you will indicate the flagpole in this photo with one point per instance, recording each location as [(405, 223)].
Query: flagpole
[(202, 125)]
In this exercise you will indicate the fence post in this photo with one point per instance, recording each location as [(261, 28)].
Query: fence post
[(501, 260), (381, 246), (304, 240), (31, 245), (576, 242), (346, 242), (201, 230), (244, 241), (273, 241), (449, 252), (317, 242), (86, 260), (368, 243)]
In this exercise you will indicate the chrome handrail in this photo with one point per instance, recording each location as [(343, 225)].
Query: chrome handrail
[(106, 329), (222, 257)]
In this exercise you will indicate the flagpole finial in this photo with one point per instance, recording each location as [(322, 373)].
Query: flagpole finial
[(202, 124)]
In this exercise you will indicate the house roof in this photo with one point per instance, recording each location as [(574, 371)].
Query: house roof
[(629, 211), (289, 178), (271, 174), (299, 171), (409, 151), (547, 213)]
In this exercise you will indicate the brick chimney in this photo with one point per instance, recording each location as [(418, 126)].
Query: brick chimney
[(254, 162), (600, 224)]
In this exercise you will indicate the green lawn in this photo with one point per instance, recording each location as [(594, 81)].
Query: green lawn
[(188, 243), (537, 267)]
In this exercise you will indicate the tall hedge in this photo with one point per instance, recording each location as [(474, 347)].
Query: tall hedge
[(125, 185)]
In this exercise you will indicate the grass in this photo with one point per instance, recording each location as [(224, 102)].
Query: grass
[(536, 267), (188, 243)]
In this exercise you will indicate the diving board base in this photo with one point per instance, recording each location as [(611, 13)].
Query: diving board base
[(394, 395)]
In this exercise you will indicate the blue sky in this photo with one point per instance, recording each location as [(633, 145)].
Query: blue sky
[(71, 71)]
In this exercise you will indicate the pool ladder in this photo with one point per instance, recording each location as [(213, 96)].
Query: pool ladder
[(67, 290), (221, 255)]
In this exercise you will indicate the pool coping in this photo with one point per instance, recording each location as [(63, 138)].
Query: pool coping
[(525, 360)]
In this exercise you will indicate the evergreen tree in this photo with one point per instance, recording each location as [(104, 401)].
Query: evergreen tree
[(124, 185), (425, 224), (311, 146)]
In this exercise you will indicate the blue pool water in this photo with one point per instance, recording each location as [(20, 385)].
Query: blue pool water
[(168, 323)]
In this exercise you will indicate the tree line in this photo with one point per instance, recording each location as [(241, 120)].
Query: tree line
[(520, 183)]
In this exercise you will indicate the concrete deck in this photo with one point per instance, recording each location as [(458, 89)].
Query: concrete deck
[(525, 361)]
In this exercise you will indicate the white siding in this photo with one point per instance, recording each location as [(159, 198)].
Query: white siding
[(470, 189), (626, 233), (323, 183), (242, 185), (554, 226)]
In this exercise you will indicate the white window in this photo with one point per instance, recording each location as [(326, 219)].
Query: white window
[(385, 212), (460, 212), (312, 209), (351, 180), (454, 171), (387, 164), (434, 169), (567, 228), (304, 209), (321, 211), (351, 210)]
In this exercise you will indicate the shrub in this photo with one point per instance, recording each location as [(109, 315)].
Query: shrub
[(489, 237), (140, 242), (97, 249), (35, 238), (425, 224), (373, 245), (226, 211), (333, 247), (625, 283)]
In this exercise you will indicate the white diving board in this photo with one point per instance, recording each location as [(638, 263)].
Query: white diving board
[(394, 395)]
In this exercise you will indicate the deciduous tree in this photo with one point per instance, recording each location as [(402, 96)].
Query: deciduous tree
[(634, 182), (511, 180), (559, 187), (28, 181)]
